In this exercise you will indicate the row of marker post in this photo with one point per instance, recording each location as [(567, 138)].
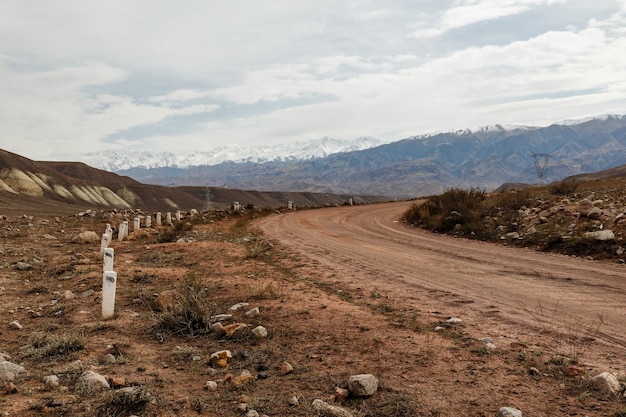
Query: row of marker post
[(109, 276)]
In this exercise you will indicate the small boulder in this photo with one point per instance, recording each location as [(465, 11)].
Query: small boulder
[(329, 410), (253, 312), (220, 358), (605, 382), (6, 366), (286, 368), (23, 266), (510, 412), (15, 325), (363, 385), (88, 236), (259, 332), (92, 381)]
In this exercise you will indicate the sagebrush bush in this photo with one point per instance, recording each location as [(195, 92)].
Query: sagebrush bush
[(174, 232), (442, 213), (192, 310)]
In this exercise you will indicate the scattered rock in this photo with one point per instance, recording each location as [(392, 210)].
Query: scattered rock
[(86, 237), (221, 358), (341, 393), (488, 343), (534, 371), (293, 401), (238, 306), (286, 368), (15, 325), (87, 294), (363, 385), (221, 317), (6, 366), (253, 312), (454, 320), (109, 359), (68, 295), (117, 381), (243, 378), (329, 410), (92, 381), (605, 382), (252, 413), (231, 329), (51, 381), (600, 235), (259, 332), (217, 328), (211, 385), (510, 412), (23, 266)]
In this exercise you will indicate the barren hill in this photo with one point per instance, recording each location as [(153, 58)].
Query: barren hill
[(60, 187)]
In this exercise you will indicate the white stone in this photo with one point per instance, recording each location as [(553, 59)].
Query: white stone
[(6, 366), (510, 412), (211, 385), (238, 306), (330, 410), (259, 332), (363, 385), (253, 312), (15, 325), (605, 382), (600, 235), (91, 380), (454, 320)]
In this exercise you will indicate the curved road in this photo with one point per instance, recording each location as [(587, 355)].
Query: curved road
[(497, 288)]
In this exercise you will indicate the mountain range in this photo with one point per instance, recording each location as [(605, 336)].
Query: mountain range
[(416, 166)]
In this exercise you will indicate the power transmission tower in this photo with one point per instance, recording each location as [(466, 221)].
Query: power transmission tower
[(208, 204), (541, 165)]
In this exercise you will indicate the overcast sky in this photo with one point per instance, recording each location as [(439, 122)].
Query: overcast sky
[(80, 76)]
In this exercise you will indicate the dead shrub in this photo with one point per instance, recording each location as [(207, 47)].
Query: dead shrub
[(173, 233), (54, 344), (192, 310)]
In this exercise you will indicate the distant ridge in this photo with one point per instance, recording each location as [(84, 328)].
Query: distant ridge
[(427, 164), (28, 186)]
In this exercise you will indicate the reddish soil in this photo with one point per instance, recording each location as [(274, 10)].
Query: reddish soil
[(343, 291), (504, 293)]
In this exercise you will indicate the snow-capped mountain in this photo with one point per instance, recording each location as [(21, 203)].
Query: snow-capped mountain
[(114, 161)]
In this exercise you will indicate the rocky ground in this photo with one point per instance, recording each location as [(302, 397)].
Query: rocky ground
[(291, 340)]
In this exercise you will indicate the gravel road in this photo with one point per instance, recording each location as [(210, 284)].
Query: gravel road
[(497, 290)]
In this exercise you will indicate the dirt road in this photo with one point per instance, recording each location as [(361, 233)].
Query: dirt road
[(497, 290)]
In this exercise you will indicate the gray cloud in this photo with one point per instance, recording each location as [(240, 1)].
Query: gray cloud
[(88, 76)]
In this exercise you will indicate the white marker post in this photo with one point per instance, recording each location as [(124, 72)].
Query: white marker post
[(125, 229), (158, 218), (120, 232), (178, 215), (290, 205), (148, 221), (109, 232), (109, 283), (236, 206), (168, 218), (136, 224), (104, 243), (109, 255)]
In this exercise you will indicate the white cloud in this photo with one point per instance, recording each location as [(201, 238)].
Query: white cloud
[(467, 12), (149, 73)]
